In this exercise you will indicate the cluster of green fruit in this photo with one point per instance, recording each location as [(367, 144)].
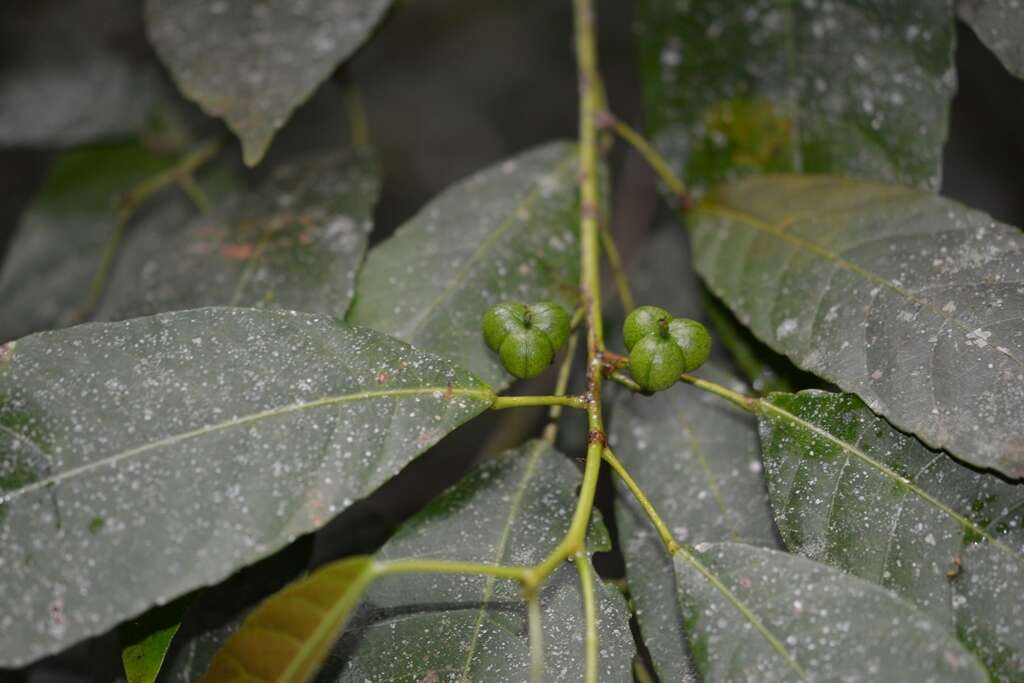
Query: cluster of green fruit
[(661, 347)]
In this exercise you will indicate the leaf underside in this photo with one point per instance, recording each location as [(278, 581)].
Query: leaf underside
[(1000, 25)]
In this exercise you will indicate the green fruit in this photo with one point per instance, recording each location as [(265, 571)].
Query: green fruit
[(552, 320), (501, 319), (693, 339), (656, 362), (526, 352), (643, 321)]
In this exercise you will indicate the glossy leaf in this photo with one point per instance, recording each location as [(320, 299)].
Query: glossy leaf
[(1000, 25), (146, 458), (507, 233), (73, 72), (911, 301), (294, 242), (146, 640), (59, 243), (286, 639), (696, 457), (849, 490), (851, 87), (253, 64), (513, 509), (759, 614)]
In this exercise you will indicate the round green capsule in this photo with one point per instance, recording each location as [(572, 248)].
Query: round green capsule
[(693, 339), (656, 362), (643, 321), (526, 352)]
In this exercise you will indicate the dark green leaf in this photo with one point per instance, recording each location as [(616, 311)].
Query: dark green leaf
[(140, 460), (253, 64), (507, 233), (513, 509), (852, 87), (295, 242), (696, 457), (1000, 25), (849, 490), (909, 300), (145, 641), (60, 241), (73, 72), (759, 614)]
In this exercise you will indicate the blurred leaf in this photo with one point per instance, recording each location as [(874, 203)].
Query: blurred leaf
[(1000, 25), (513, 509), (294, 242), (507, 233), (73, 72), (145, 641), (286, 638), (697, 459), (59, 243), (909, 300), (253, 64), (849, 490), (824, 625), (851, 87), (140, 460)]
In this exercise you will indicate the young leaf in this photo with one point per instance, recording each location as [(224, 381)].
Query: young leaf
[(909, 300), (59, 243), (854, 87), (507, 233), (142, 459), (513, 509), (755, 613), (252, 65), (849, 490), (1000, 25), (145, 640), (697, 460), (295, 242), (286, 638)]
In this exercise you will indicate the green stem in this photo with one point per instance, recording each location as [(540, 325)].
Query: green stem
[(748, 403), (389, 567), (194, 192), (652, 157), (618, 272), (358, 121), (625, 381), (503, 402), (666, 536), (536, 631), (589, 615), (551, 429), (640, 672)]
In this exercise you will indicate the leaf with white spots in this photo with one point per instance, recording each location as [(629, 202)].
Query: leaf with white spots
[(140, 460), (758, 614), (253, 63), (294, 242), (513, 509), (1000, 25), (851, 87), (696, 458), (909, 300), (849, 490), (507, 233)]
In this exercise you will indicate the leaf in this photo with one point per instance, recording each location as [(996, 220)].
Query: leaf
[(140, 460), (286, 638), (849, 490), (73, 72), (851, 87), (1000, 25), (60, 240), (513, 509), (507, 233), (145, 641), (252, 65), (697, 460), (759, 614), (294, 242), (911, 301)]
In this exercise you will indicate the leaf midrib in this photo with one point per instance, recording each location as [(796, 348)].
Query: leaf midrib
[(482, 394)]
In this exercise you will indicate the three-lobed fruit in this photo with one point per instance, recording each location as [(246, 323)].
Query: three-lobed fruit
[(663, 347), (526, 337)]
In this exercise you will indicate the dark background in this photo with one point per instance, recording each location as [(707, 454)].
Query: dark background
[(452, 86)]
